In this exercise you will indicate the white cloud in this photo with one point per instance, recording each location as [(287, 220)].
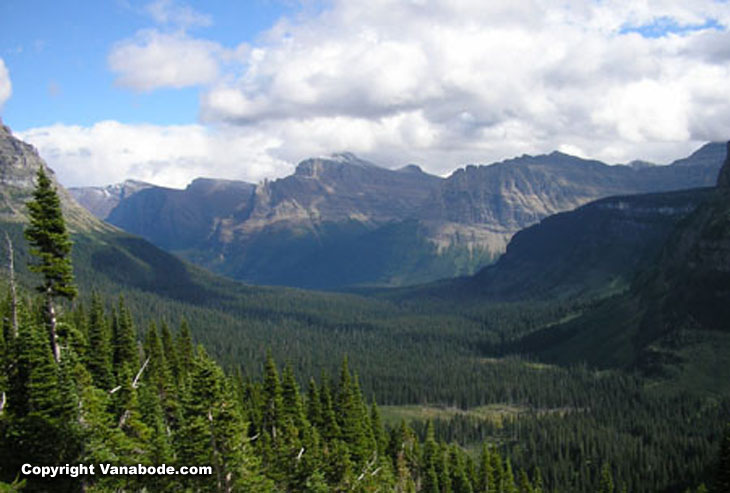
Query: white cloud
[(110, 152), (440, 83), (179, 15), (6, 88), (478, 80), (152, 60)]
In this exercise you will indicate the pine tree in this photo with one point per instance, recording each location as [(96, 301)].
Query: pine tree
[(99, 358), (722, 479), (185, 350), (314, 405), (460, 482), (606, 481), (213, 433), (51, 243), (124, 339), (41, 412), (171, 354), (486, 482), (430, 464)]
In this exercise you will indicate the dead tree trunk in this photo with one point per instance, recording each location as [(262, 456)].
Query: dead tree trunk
[(51, 316), (13, 293)]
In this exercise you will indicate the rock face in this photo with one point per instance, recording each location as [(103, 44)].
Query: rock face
[(100, 201), (182, 219), (340, 220), (670, 253), (596, 248), (19, 163)]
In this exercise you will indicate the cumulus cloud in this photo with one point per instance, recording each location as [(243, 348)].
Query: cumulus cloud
[(153, 59), (450, 81), (440, 83), (110, 152), (6, 88), (179, 15)]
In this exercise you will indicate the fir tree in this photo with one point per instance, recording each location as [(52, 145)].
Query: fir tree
[(51, 243), (100, 356), (722, 481), (124, 339), (606, 483)]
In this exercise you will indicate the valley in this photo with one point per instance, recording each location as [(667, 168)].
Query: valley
[(590, 344)]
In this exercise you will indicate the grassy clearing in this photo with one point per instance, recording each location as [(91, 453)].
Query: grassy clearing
[(496, 413)]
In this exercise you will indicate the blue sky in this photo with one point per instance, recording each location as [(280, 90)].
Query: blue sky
[(167, 90), (57, 55)]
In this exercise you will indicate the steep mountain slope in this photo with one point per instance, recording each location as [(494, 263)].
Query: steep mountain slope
[(19, 163), (182, 219), (674, 319), (104, 256), (597, 247), (100, 201), (342, 221)]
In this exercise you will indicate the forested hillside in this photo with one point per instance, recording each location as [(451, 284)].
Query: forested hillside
[(122, 385)]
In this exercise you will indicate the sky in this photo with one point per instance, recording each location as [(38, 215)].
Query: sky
[(169, 90)]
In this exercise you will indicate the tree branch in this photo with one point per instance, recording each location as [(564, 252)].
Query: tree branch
[(139, 373), (135, 382)]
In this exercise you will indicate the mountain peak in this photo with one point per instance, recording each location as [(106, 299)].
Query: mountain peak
[(313, 167), (723, 179), (410, 168), (710, 153)]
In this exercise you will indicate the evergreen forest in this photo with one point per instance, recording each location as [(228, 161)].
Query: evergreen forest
[(290, 391)]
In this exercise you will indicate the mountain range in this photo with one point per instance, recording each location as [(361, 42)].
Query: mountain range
[(341, 221), (653, 271), (639, 281)]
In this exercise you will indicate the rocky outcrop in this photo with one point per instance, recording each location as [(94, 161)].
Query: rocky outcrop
[(597, 246), (182, 219), (19, 163), (100, 201), (449, 226)]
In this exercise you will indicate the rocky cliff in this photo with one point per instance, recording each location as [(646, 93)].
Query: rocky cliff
[(19, 163), (405, 225)]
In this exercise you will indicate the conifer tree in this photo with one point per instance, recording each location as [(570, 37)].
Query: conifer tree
[(460, 482), (272, 399), (430, 466), (508, 479), (171, 354), (379, 434), (100, 356), (214, 433), (486, 483), (330, 426), (185, 350), (314, 404), (124, 338), (606, 482), (722, 480), (292, 406), (51, 243), (41, 412)]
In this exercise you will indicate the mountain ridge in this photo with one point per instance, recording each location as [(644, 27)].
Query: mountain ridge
[(455, 225)]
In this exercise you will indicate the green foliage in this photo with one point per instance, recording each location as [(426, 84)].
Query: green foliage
[(49, 239)]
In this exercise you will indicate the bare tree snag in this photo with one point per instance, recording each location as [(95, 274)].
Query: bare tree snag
[(13, 293), (51, 314)]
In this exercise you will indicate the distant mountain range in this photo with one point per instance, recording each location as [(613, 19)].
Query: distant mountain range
[(653, 274), (640, 281), (342, 221)]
